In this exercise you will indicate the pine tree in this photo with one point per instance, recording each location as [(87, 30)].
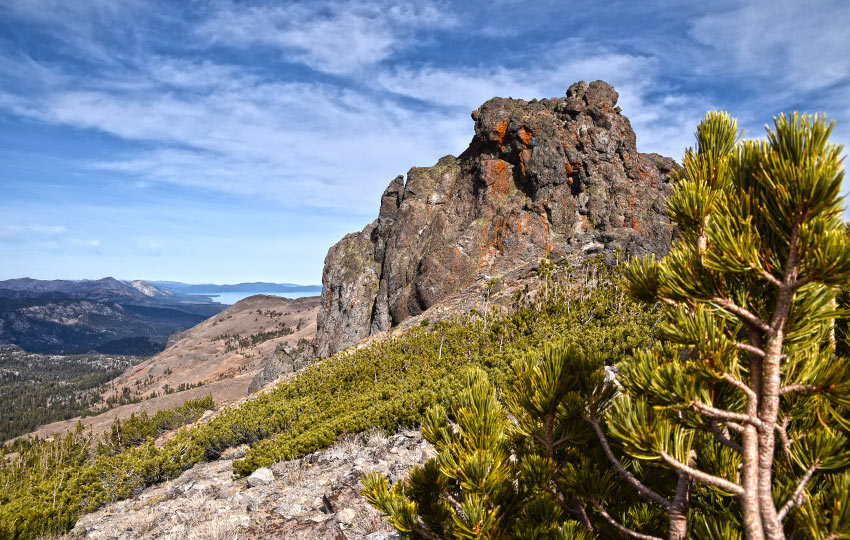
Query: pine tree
[(750, 287), (733, 425)]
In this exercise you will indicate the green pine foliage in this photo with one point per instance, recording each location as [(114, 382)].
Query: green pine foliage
[(733, 425), (387, 384)]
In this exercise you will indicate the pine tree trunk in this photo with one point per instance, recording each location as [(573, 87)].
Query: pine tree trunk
[(749, 481), (678, 512), (753, 529), (771, 380)]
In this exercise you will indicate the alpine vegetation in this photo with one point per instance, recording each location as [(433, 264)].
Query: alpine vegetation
[(733, 424)]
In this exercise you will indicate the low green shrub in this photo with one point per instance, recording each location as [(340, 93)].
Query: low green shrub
[(388, 384)]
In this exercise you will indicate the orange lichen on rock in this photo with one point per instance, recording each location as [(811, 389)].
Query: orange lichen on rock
[(495, 175), (524, 157), (490, 244), (524, 135), (500, 130)]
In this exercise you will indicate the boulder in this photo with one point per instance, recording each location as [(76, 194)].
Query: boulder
[(260, 477)]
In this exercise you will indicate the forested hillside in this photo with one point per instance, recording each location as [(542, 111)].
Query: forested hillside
[(37, 389)]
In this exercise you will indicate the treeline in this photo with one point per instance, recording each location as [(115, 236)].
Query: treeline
[(386, 385)]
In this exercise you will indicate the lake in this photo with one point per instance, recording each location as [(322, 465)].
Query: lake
[(230, 298)]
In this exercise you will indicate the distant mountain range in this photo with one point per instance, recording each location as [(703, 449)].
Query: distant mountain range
[(256, 286), (108, 315), (104, 315)]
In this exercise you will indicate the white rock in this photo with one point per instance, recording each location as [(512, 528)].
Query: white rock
[(592, 247), (382, 536), (260, 477), (346, 516)]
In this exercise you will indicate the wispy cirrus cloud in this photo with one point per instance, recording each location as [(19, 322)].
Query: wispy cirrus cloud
[(334, 37), (662, 116), (15, 230)]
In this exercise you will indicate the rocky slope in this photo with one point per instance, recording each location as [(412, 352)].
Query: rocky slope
[(559, 177), (315, 497)]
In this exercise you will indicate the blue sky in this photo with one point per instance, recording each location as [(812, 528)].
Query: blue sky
[(222, 141)]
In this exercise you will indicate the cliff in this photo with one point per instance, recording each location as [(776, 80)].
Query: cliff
[(559, 177)]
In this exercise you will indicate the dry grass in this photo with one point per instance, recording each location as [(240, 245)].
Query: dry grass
[(293, 473), (345, 446), (215, 530), (144, 521), (376, 437), (369, 521), (199, 502)]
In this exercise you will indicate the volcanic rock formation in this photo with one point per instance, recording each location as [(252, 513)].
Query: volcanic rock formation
[(559, 177)]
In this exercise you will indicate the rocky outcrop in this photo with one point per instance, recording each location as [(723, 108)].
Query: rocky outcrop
[(313, 498), (284, 360), (558, 177)]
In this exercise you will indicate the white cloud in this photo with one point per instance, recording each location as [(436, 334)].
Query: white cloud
[(662, 118), (334, 37), (18, 230), (803, 46), (301, 143)]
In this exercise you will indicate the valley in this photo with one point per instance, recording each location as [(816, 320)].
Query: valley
[(37, 389), (222, 357)]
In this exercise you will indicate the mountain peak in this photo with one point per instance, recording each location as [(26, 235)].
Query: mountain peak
[(557, 177)]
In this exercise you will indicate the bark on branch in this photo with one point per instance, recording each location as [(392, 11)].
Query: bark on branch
[(797, 497), (748, 316), (720, 414), (798, 388), (627, 476), (701, 476), (739, 384), (749, 348), (724, 438)]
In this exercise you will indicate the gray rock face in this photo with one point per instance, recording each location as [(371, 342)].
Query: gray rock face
[(555, 176)]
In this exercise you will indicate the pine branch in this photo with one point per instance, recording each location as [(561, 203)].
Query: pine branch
[(629, 478), (798, 388), (739, 384), (802, 281), (621, 528), (723, 438), (425, 534), (720, 414), (454, 502), (769, 277), (783, 437), (747, 315), (749, 348), (797, 498), (701, 476), (793, 261), (734, 425)]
